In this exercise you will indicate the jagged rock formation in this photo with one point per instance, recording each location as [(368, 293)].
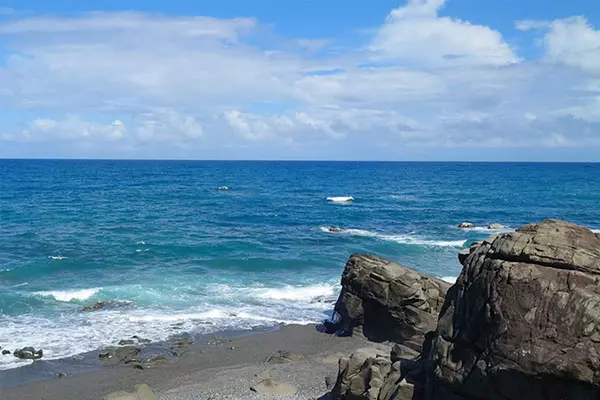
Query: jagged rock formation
[(522, 320), (388, 301)]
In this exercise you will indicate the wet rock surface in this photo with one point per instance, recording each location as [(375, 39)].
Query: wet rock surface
[(28, 353)]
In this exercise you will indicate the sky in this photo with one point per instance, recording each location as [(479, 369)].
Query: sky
[(460, 80)]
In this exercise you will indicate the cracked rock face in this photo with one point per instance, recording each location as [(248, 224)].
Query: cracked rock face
[(389, 301), (523, 320)]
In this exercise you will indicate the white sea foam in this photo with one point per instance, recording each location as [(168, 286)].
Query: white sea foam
[(20, 285), (596, 230), (58, 257), (449, 279), (486, 229), (340, 199), (226, 307), (69, 295), (307, 293), (141, 242), (402, 239)]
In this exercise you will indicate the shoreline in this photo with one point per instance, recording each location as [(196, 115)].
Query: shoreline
[(240, 359)]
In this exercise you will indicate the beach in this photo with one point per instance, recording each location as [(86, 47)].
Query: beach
[(222, 371)]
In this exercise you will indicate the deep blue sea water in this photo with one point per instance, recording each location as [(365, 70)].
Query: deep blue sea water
[(174, 254)]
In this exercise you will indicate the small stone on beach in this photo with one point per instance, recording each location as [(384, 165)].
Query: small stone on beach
[(141, 392), (271, 386), (283, 357)]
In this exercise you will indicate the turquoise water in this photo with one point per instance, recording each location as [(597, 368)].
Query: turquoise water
[(172, 253)]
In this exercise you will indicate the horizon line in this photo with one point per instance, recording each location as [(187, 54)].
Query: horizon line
[(292, 160)]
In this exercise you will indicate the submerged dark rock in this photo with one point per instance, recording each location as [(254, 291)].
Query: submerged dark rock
[(387, 300), (522, 320), (29, 353)]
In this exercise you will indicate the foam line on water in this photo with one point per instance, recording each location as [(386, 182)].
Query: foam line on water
[(401, 239)]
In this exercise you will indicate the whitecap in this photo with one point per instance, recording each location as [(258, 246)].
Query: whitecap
[(58, 257), (340, 199), (69, 295), (449, 279), (141, 250), (20, 285), (401, 239), (298, 293), (596, 230), (141, 242)]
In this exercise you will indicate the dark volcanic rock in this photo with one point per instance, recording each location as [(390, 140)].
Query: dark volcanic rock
[(5, 352), (29, 353), (370, 374), (389, 301), (522, 320)]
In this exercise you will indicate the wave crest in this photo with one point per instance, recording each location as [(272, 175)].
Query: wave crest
[(69, 295)]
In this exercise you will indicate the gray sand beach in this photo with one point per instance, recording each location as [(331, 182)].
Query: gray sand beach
[(223, 371)]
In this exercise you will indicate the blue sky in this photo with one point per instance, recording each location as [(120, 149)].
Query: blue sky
[(385, 80)]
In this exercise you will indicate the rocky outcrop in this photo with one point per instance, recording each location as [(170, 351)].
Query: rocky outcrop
[(369, 374), (28, 353), (522, 320), (388, 301), (466, 225)]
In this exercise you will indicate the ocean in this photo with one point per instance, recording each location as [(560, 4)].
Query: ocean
[(168, 252)]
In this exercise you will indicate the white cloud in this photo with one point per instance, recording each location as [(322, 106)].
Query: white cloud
[(415, 33), (71, 129), (574, 42), (172, 83)]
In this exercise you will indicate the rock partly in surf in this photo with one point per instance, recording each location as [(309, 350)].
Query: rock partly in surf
[(5, 352), (495, 226), (29, 353), (466, 225), (223, 188)]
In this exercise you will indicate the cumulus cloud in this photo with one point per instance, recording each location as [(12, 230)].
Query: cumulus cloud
[(416, 33), (423, 79)]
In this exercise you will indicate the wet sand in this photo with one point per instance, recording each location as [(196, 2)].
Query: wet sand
[(204, 371)]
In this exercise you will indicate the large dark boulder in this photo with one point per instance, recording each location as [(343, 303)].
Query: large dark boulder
[(522, 320), (388, 301)]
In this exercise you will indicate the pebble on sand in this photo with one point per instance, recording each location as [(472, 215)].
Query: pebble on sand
[(141, 392), (271, 386)]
